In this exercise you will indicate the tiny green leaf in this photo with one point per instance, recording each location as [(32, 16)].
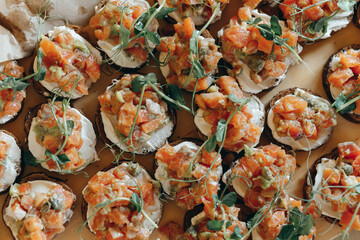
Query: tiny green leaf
[(29, 159), (211, 144), (286, 232), (357, 189), (194, 42), (228, 224), (220, 130), (303, 223), (340, 101), (199, 71), (236, 234), (216, 200), (176, 94), (124, 36), (13, 83), (275, 26), (40, 74), (257, 20), (63, 159), (138, 82), (153, 37), (214, 225), (266, 32), (229, 199), (235, 99), (135, 201), (251, 223), (70, 126), (163, 13)]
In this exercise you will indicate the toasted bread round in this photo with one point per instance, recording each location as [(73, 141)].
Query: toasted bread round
[(356, 18), (34, 177), (102, 133), (19, 166), (353, 117), (85, 205), (283, 143)]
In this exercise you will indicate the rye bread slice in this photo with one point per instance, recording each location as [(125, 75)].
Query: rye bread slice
[(84, 204), (281, 94), (307, 188), (356, 18), (20, 167), (33, 177), (99, 126), (353, 117)]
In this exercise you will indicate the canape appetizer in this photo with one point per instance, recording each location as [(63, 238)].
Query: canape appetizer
[(171, 230), (71, 63), (186, 162), (334, 183), (306, 16), (200, 229), (11, 100), (56, 150), (281, 220), (38, 207), (119, 105), (200, 11), (108, 23), (244, 128), (10, 159), (300, 120), (340, 77), (258, 175), (180, 68), (257, 63), (109, 206)]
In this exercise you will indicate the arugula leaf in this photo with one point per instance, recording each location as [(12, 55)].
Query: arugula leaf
[(13, 83), (163, 13), (138, 82), (346, 5), (211, 144), (214, 225), (236, 234), (275, 26), (265, 31), (135, 201), (251, 223), (229, 199), (29, 159), (286, 232), (153, 37), (199, 71), (220, 130)]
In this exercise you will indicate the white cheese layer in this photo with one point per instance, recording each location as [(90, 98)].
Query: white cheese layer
[(256, 109), (303, 143), (37, 186), (12, 163), (52, 86), (337, 22), (122, 58), (153, 211), (87, 150), (8, 117)]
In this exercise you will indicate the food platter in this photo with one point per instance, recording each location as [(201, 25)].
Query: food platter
[(308, 75)]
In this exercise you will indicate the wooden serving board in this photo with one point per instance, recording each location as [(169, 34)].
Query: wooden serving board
[(314, 55)]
